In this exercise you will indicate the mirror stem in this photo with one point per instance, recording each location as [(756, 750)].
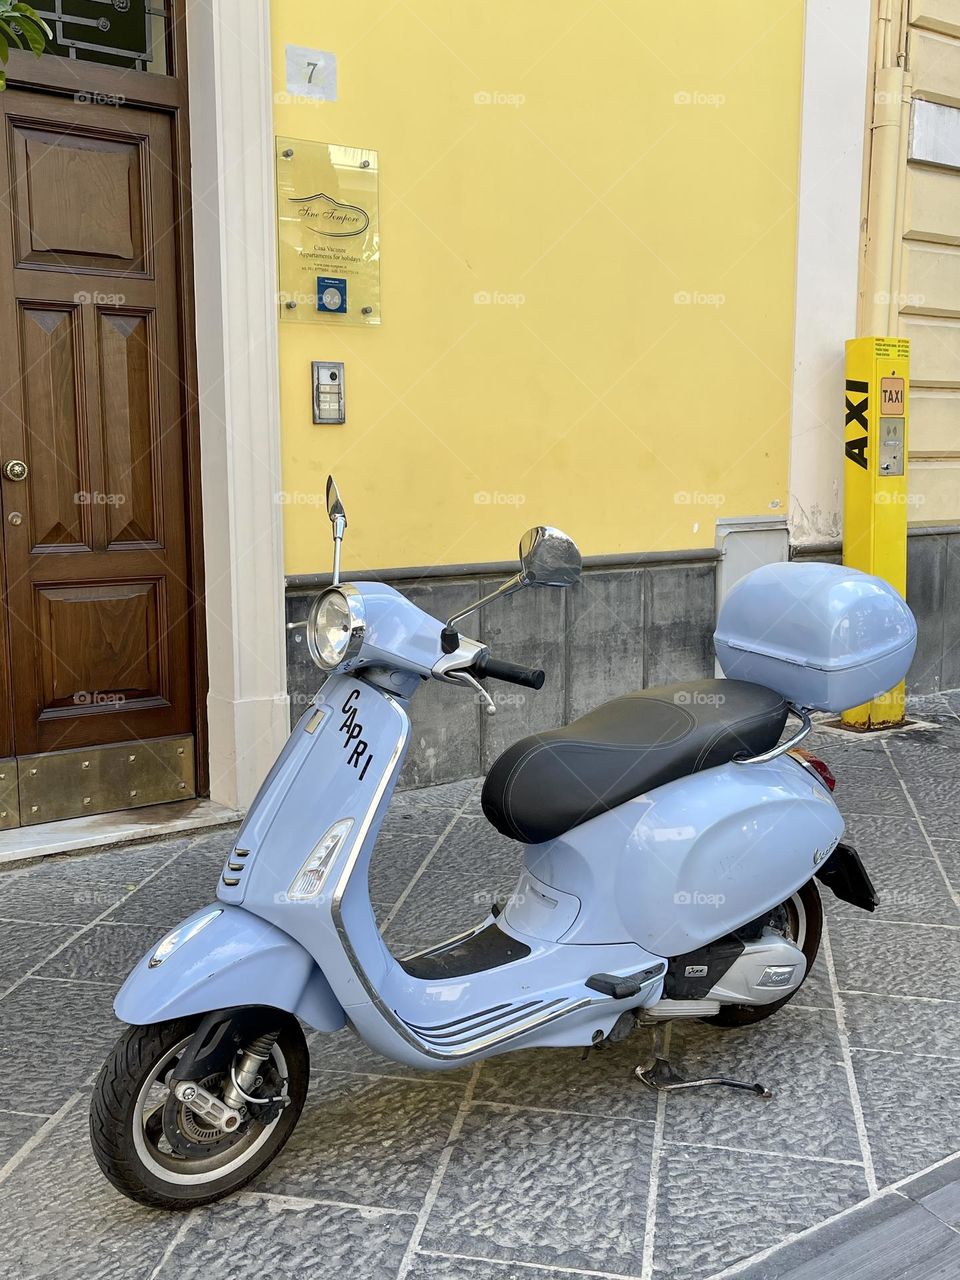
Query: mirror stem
[(505, 589), (339, 525)]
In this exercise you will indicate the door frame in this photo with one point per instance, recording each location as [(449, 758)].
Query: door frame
[(230, 369)]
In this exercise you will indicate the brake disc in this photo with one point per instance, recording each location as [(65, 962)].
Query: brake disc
[(189, 1134)]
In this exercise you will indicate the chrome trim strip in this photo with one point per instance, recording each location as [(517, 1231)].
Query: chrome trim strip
[(437, 947), (805, 727), (471, 1025)]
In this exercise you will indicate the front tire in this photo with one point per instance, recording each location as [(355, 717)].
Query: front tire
[(127, 1119), (803, 924)]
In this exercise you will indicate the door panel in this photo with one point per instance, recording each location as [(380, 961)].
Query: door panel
[(96, 557), (49, 342), (78, 199), (130, 427)]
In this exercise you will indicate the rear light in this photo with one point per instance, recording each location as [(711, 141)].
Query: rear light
[(817, 766)]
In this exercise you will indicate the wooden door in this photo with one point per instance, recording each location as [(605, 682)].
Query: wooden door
[(93, 404)]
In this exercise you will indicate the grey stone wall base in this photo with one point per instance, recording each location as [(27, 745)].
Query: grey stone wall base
[(618, 630), (625, 626)]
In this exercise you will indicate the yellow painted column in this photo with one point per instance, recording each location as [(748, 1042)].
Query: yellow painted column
[(876, 416)]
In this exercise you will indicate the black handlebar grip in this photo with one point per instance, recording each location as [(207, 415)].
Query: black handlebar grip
[(511, 672)]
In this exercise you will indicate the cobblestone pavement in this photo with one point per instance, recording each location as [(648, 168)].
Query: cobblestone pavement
[(536, 1165)]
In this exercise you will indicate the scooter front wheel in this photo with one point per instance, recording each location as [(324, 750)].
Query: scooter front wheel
[(157, 1150)]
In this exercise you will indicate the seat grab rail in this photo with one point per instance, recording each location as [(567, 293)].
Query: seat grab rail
[(806, 724)]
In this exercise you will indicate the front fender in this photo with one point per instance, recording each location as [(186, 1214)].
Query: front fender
[(237, 959)]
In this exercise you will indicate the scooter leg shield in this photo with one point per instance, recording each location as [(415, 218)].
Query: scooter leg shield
[(233, 959)]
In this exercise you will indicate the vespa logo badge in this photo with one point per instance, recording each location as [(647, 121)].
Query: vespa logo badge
[(820, 854)]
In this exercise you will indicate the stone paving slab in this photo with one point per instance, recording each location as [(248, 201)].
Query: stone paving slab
[(536, 1165)]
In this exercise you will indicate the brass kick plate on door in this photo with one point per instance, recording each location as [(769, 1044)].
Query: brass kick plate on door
[(124, 775), (9, 798)]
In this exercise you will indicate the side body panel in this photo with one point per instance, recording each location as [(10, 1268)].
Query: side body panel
[(688, 862)]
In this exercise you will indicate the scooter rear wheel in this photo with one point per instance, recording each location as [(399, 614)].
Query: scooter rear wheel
[(132, 1110), (802, 916)]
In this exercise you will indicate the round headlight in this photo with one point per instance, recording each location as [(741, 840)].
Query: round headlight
[(335, 627)]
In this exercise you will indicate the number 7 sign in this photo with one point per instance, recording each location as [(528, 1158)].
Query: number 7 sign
[(311, 73)]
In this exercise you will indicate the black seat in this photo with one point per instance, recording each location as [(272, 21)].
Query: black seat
[(545, 784)]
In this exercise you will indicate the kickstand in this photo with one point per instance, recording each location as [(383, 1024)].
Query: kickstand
[(660, 1075)]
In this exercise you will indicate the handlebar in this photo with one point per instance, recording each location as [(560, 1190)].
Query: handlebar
[(486, 667)]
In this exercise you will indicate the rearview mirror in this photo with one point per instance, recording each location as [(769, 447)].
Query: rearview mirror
[(334, 505), (548, 558), (338, 518)]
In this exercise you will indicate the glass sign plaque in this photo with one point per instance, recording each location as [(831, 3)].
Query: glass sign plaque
[(328, 232)]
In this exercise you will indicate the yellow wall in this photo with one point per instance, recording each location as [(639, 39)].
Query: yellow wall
[(598, 198)]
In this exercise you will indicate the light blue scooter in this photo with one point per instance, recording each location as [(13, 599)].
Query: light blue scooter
[(672, 841)]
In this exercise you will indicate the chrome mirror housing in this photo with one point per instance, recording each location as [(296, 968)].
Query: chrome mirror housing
[(338, 518), (548, 558)]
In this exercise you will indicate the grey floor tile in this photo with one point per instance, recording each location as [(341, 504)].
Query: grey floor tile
[(935, 797), (797, 1055), (60, 1217), (81, 887), (251, 1237), (888, 1239), (868, 790), (910, 1108), (24, 945), (186, 886), (558, 1190), (103, 953), (716, 1207), (472, 868), (903, 959), (15, 1130), (418, 819), (911, 889), (602, 1084), (438, 1266), (345, 1051), (942, 825), (53, 1036), (871, 835), (938, 1192), (396, 860), (948, 853), (449, 797), (365, 1141), (903, 1025), (817, 990)]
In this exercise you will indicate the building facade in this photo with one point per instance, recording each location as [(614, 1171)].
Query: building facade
[(617, 254)]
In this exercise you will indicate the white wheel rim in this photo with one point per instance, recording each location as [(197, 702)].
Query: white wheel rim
[(161, 1171)]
